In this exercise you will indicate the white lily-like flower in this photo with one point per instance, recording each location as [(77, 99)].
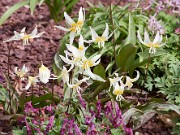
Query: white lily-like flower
[(65, 75), (118, 91), (75, 54), (31, 81), (76, 86), (115, 80), (21, 72), (147, 42), (75, 27), (87, 64), (44, 74), (129, 81), (100, 40), (25, 37)]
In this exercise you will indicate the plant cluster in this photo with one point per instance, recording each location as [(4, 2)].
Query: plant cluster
[(100, 59)]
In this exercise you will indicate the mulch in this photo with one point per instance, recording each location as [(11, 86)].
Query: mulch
[(43, 49)]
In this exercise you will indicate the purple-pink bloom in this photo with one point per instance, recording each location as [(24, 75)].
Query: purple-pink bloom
[(50, 124), (28, 128), (30, 109), (99, 107), (91, 130), (81, 100)]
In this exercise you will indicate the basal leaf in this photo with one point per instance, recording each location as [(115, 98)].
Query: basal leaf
[(11, 10)]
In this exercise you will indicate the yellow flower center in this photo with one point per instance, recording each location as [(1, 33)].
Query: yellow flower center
[(118, 92), (87, 64), (153, 45), (80, 23), (76, 26), (21, 73), (100, 39), (25, 37), (43, 68), (81, 47), (73, 29)]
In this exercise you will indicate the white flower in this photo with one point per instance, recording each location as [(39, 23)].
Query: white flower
[(75, 27), (129, 81), (118, 91), (147, 42), (65, 75), (31, 81), (100, 40), (44, 74), (21, 72), (25, 37), (76, 86), (87, 64), (115, 80)]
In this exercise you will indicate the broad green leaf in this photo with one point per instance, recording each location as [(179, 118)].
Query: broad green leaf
[(11, 10), (131, 39), (125, 57), (33, 5), (144, 118), (99, 70), (129, 113)]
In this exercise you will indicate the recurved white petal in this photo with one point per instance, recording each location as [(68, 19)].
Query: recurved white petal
[(106, 32), (72, 35), (62, 28), (140, 38), (157, 38), (69, 20), (96, 59), (146, 37), (94, 34), (81, 15), (93, 76)]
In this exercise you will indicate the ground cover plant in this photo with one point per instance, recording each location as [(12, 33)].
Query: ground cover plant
[(118, 66)]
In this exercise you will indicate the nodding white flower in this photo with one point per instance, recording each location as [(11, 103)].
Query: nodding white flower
[(75, 27), (115, 80), (147, 42), (87, 64), (25, 37), (31, 81), (118, 91), (21, 72), (100, 40), (65, 75), (129, 81), (76, 86), (44, 74)]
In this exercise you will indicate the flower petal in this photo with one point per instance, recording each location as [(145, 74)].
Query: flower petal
[(96, 59), (69, 20), (146, 37), (106, 32), (92, 75), (81, 15), (93, 34), (157, 38), (140, 38), (62, 28), (72, 35)]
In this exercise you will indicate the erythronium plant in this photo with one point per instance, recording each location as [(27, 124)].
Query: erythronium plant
[(157, 42), (25, 37), (75, 27), (100, 40)]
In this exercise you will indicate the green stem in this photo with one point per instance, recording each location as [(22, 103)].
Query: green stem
[(111, 17), (99, 89)]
